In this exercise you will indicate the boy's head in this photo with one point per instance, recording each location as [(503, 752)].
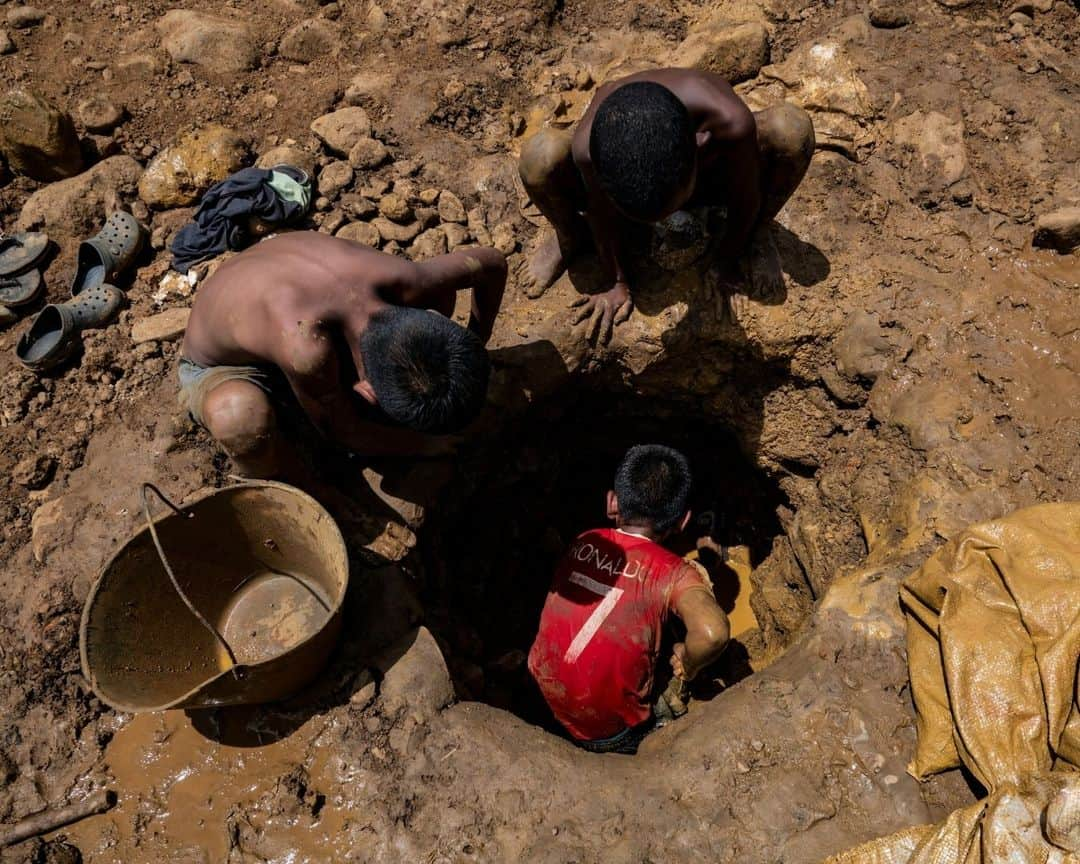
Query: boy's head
[(425, 371), (644, 150), (652, 489)]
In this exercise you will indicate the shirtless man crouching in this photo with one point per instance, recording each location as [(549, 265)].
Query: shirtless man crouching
[(363, 340), (653, 143)]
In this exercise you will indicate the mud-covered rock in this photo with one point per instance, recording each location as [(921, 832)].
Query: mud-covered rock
[(861, 348), (309, 40), (7, 45), (99, 114), (456, 235), (54, 523), (799, 435), (504, 238), (393, 231), (367, 85), (1059, 230), (395, 206), (415, 677), (782, 598), (929, 413), (364, 690), (36, 138), (25, 17), (889, 15), (824, 78), (735, 51), (180, 174), (341, 130), (368, 153), (135, 66), (428, 244), (288, 155), (451, 209), (940, 158), (218, 44), (162, 327), (360, 232), (335, 177), (76, 208), (357, 206), (34, 472)]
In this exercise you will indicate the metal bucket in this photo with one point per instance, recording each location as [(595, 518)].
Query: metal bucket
[(233, 599)]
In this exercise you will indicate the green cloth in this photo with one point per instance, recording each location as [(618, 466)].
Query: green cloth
[(289, 189)]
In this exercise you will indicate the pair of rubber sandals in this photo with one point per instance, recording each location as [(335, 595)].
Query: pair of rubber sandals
[(20, 275), (54, 334)]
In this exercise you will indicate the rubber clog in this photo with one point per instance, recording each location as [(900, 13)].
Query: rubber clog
[(54, 334), (22, 252), (102, 258), (21, 290)]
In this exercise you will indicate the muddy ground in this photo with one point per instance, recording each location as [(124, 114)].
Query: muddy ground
[(920, 374)]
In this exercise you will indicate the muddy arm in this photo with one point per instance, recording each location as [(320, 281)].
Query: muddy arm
[(482, 269), (707, 631)]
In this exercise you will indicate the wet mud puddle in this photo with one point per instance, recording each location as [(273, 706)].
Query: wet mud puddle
[(186, 797)]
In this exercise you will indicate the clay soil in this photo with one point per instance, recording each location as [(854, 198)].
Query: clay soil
[(919, 374)]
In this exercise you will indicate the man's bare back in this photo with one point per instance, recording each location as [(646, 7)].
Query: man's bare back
[(344, 324), (259, 306)]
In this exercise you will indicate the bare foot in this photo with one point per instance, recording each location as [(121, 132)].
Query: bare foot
[(732, 304), (766, 275), (544, 266)]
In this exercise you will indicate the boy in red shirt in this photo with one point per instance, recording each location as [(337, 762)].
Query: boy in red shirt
[(595, 653)]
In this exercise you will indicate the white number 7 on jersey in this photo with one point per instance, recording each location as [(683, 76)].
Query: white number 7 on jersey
[(592, 623)]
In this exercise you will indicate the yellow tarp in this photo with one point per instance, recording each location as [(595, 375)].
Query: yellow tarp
[(993, 632)]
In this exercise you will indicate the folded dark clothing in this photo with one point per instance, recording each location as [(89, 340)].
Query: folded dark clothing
[(221, 222)]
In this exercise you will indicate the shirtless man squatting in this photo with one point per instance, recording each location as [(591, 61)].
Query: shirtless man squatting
[(363, 339), (653, 143)]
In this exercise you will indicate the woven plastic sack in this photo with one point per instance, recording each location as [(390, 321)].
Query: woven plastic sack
[(993, 633)]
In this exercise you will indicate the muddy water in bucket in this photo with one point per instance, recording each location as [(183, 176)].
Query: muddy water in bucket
[(269, 614), (233, 599)]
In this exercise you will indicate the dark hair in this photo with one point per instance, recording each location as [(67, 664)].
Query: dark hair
[(653, 486), (642, 146), (428, 373)]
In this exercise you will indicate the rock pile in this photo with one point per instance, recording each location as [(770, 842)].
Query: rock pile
[(372, 199)]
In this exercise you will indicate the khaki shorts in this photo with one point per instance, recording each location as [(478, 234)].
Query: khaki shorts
[(196, 382)]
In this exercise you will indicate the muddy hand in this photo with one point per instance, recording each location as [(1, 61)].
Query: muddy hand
[(678, 661), (606, 311)]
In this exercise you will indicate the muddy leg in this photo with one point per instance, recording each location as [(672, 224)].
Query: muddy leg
[(240, 417), (786, 142), (548, 172)]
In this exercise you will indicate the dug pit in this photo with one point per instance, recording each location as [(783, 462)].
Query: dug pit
[(491, 545)]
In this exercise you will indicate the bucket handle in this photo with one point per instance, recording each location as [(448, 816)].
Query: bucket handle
[(150, 487)]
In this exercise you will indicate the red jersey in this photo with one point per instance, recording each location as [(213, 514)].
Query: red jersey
[(596, 649)]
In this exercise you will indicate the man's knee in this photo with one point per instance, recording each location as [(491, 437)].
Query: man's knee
[(542, 156), (787, 131), (240, 417)]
